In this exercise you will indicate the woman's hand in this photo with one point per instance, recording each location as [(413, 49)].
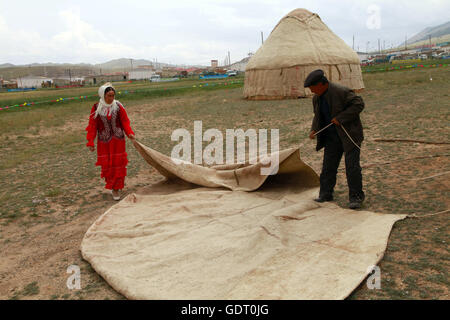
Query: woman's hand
[(131, 136), (92, 148)]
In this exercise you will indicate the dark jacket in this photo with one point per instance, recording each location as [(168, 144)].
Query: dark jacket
[(345, 106)]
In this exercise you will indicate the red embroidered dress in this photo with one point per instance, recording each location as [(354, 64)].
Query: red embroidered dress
[(111, 152)]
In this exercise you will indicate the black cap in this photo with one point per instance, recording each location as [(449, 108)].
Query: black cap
[(314, 78)]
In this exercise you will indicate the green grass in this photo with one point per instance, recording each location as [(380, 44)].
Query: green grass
[(54, 114), (30, 289), (47, 168), (376, 67), (140, 90)]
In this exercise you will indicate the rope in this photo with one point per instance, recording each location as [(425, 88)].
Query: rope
[(390, 172), (435, 175), (315, 134), (377, 164), (339, 71), (236, 177), (408, 140), (406, 159), (350, 137), (413, 215)]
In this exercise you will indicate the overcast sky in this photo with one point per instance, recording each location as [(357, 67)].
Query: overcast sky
[(191, 32)]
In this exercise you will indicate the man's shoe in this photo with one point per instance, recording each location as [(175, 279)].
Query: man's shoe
[(356, 203), (323, 198)]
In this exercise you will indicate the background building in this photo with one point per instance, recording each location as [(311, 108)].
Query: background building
[(102, 78), (240, 65), (140, 74), (32, 81)]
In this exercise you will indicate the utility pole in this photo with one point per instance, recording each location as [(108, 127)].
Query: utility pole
[(229, 59), (353, 47), (379, 49), (429, 36), (406, 40), (131, 61), (262, 38)]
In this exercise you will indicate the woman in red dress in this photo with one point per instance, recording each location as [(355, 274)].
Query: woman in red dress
[(109, 121)]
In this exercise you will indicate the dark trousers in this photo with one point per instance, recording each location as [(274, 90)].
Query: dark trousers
[(331, 159)]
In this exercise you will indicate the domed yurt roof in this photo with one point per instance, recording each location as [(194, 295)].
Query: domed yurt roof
[(301, 41)]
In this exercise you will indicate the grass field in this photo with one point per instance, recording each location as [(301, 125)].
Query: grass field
[(52, 191), (140, 89), (387, 65)]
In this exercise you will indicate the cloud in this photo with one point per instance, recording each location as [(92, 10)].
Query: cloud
[(80, 41), (191, 32), (19, 44), (77, 31)]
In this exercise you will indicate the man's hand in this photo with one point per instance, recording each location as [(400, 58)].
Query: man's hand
[(312, 135), (92, 148), (334, 120)]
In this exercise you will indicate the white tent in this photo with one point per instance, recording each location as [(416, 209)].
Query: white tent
[(299, 44)]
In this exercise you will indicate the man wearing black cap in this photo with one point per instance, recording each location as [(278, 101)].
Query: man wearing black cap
[(339, 105)]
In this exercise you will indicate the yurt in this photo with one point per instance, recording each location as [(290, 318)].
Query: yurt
[(299, 44)]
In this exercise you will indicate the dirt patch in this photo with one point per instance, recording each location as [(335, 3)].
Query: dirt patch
[(54, 192)]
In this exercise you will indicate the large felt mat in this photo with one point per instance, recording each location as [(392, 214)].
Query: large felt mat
[(182, 241)]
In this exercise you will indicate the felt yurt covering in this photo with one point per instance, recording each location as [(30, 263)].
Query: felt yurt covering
[(228, 232), (299, 44)]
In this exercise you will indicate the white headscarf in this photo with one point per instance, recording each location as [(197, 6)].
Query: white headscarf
[(103, 108)]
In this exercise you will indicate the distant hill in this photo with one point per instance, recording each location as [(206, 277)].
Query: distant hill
[(6, 65), (10, 71), (122, 64), (51, 64), (52, 71), (435, 32)]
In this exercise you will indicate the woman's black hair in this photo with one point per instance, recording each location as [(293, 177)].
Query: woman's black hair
[(109, 89)]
